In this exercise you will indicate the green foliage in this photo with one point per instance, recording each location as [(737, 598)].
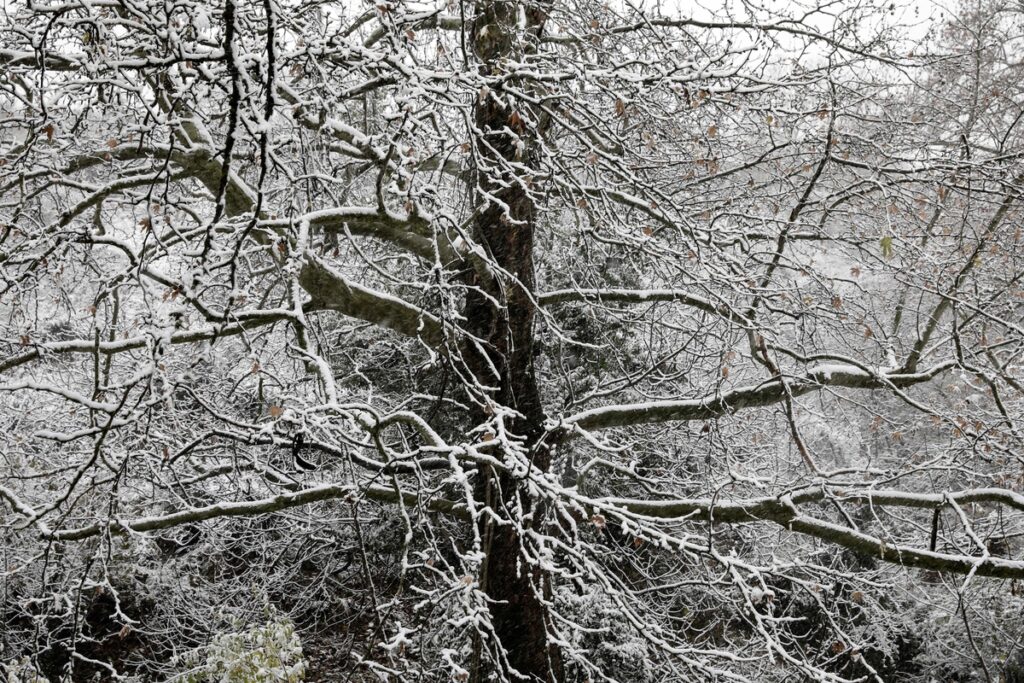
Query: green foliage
[(267, 653), (20, 671), (886, 244)]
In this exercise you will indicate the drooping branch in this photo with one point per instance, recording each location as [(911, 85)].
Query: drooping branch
[(257, 507), (784, 510), (40, 350), (409, 232), (755, 396), (769, 507), (641, 296), (331, 290)]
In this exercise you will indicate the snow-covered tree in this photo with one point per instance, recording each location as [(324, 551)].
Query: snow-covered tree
[(511, 339)]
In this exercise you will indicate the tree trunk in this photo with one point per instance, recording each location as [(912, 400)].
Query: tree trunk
[(505, 229)]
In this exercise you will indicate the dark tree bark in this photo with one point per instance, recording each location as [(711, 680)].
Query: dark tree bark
[(505, 228)]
